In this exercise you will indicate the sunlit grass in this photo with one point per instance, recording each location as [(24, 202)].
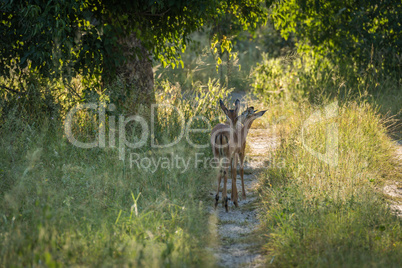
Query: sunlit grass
[(64, 205), (331, 216)]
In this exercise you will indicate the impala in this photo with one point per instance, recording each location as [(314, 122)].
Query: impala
[(228, 143)]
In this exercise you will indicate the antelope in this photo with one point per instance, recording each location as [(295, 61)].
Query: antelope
[(228, 143)]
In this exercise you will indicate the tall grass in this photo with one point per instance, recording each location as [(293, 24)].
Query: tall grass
[(61, 205), (323, 215), (65, 206)]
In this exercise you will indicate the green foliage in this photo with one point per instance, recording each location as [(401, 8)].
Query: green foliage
[(365, 33), (227, 27), (52, 38), (200, 63), (61, 205), (267, 77), (77, 47), (308, 75), (329, 216), (39, 100), (82, 37)]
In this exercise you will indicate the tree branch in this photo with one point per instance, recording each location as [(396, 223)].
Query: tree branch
[(154, 15), (71, 89), (12, 90)]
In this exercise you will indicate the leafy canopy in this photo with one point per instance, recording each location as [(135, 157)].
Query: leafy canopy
[(66, 38), (367, 32)]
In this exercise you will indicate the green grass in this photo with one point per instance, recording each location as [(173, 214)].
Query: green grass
[(61, 205), (65, 206), (316, 214), (77, 208), (330, 216)]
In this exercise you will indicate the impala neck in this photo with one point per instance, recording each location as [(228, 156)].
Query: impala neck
[(244, 130)]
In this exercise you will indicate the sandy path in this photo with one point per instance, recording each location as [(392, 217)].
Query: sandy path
[(234, 245), (394, 189)]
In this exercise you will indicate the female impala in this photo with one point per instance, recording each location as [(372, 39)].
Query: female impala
[(228, 142)]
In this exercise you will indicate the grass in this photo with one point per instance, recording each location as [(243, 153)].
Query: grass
[(65, 206), (330, 216), (77, 208), (61, 205)]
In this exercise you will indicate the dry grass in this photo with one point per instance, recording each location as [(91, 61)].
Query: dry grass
[(330, 216)]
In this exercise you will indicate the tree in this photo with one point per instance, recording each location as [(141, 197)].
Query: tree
[(102, 38), (366, 32)]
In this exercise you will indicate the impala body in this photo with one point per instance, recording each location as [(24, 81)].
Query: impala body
[(228, 144)]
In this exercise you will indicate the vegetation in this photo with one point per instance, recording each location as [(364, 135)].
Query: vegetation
[(61, 205), (367, 34), (90, 37), (323, 215), (64, 205), (320, 208)]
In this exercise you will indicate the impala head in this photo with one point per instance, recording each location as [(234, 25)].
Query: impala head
[(231, 115), (250, 115), (247, 113)]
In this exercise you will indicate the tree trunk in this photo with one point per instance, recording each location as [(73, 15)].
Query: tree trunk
[(137, 93)]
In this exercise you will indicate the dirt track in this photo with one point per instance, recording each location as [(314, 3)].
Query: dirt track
[(233, 229), (394, 189)]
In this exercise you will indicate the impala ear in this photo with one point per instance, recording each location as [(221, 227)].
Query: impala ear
[(246, 114), (259, 114), (223, 107), (237, 105)]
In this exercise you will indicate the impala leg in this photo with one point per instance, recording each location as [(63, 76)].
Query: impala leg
[(219, 185), (234, 186), (233, 180), (242, 176), (224, 192)]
